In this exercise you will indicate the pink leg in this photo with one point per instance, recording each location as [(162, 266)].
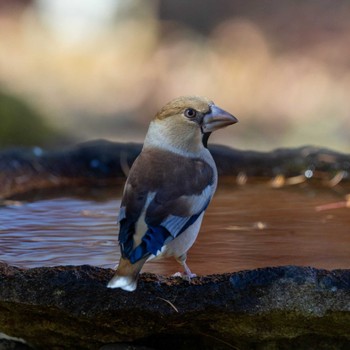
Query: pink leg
[(187, 274)]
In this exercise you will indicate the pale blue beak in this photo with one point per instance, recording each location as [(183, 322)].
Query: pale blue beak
[(217, 119)]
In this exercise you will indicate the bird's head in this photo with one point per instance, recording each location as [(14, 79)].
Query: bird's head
[(187, 122)]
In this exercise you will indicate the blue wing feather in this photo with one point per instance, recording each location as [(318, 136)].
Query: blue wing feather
[(152, 242), (157, 236)]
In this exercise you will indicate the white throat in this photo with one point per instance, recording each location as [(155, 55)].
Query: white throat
[(162, 135)]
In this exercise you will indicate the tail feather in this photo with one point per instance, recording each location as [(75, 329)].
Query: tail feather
[(124, 282), (126, 275)]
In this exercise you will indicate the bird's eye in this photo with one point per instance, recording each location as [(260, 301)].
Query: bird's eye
[(190, 113)]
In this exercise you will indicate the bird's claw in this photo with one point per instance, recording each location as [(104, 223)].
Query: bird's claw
[(185, 276)]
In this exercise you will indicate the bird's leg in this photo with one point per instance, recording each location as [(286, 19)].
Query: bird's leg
[(188, 271), (187, 274)]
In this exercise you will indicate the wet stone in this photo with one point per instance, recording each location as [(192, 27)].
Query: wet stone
[(74, 309)]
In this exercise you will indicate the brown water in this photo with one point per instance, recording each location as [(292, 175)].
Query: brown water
[(245, 227)]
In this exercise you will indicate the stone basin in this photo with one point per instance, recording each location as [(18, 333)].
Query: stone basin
[(69, 307)]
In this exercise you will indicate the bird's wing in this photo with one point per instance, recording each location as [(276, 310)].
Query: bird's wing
[(165, 193)]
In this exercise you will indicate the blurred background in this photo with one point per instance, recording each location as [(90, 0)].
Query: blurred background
[(76, 70)]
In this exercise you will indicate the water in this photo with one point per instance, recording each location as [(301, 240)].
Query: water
[(245, 227)]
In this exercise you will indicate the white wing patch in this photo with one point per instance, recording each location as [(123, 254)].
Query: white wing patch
[(174, 224), (141, 226), (122, 214)]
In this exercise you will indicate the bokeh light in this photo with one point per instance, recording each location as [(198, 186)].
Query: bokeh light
[(101, 68)]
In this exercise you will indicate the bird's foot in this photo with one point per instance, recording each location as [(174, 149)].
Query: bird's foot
[(185, 276)]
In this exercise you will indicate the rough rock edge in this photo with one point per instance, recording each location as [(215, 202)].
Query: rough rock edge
[(72, 307), (103, 162)]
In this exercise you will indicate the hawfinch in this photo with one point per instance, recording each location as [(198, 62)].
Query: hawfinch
[(169, 187)]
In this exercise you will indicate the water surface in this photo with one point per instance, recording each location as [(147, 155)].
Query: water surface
[(245, 227)]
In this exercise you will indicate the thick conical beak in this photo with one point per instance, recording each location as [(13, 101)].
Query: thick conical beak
[(217, 119)]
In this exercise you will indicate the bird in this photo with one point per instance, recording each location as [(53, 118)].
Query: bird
[(168, 188)]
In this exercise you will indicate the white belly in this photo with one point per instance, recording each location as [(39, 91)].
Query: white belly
[(181, 244)]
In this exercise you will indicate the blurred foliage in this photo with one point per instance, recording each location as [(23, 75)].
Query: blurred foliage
[(21, 125), (281, 67)]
